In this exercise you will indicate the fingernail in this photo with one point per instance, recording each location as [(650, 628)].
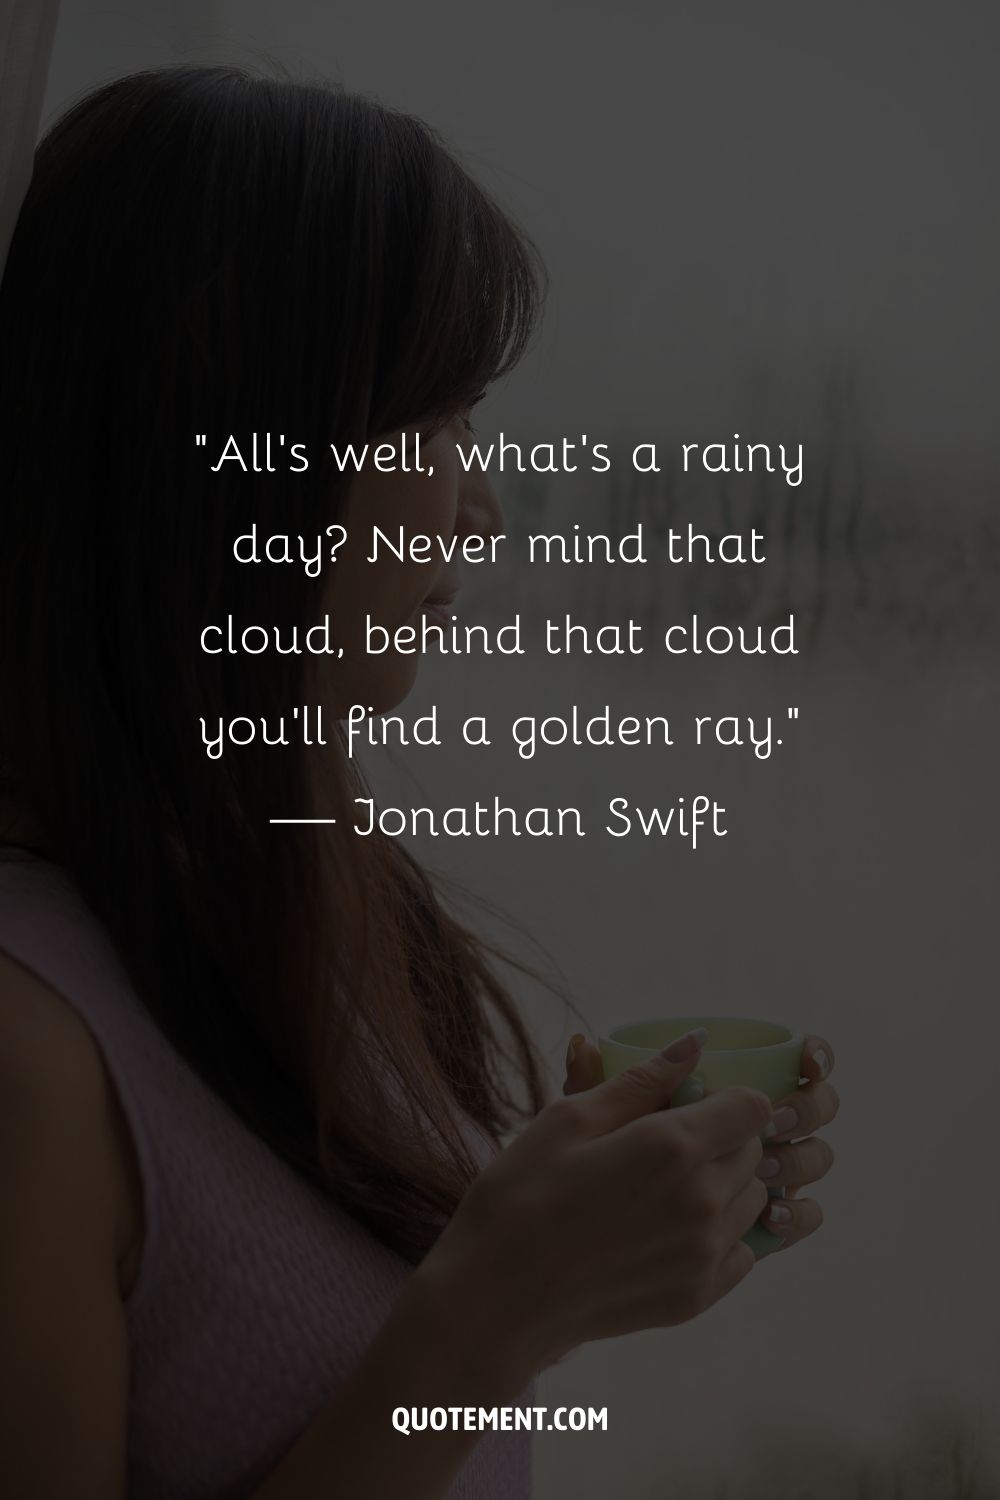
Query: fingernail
[(822, 1062), (779, 1214), (574, 1042), (686, 1046), (783, 1120), (769, 1167)]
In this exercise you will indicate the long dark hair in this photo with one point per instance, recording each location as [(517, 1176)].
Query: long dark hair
[(205, 251)]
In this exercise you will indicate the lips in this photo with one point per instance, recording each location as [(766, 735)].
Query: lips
[(438, 607)]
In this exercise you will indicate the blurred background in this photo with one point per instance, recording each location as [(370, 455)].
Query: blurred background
[(778, 220)]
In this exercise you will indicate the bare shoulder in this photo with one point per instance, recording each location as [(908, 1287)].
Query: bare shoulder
[(46, 1051), (64, 1208), (58, 1108)]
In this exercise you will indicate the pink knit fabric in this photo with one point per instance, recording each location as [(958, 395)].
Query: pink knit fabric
[(256, 1295)]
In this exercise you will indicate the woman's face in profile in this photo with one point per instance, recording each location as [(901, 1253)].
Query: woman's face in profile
[(389, 593)]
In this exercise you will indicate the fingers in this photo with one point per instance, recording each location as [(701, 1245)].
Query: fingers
[(724, 1121), (805, 1162), (584, 1068), (818, 1060), (792, 1219), (642, 1089), (739, 1168), (806, 1111), (745, 1209)]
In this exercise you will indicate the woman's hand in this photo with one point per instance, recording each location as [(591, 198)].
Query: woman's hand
[(610, 1213), (792, 1160), (795, 1157)]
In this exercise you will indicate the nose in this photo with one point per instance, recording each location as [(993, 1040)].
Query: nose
[(479, 510)]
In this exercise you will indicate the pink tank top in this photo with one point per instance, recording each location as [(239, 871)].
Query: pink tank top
[(256, 1295)]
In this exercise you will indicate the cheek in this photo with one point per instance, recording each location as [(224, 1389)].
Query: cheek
[(397, 588), (402, 508), (422, 506), (432, 505), (387, 591)]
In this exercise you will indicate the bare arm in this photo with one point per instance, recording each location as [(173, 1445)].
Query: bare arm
[(63, 1348), (526, 1269), (69, 1209)]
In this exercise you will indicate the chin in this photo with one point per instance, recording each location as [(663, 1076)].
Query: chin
[(381, 691)]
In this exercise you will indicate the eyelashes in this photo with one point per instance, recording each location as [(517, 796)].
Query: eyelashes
[(433, 429)]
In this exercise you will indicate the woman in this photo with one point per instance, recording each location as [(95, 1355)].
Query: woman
[(254, 1077)]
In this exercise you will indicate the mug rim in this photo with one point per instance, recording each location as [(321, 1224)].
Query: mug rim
[(792, 1037)]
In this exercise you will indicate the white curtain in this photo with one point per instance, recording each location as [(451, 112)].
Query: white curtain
[(27, 29)]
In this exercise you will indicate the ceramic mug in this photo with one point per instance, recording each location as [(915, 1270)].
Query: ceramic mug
[(757, 1054)]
